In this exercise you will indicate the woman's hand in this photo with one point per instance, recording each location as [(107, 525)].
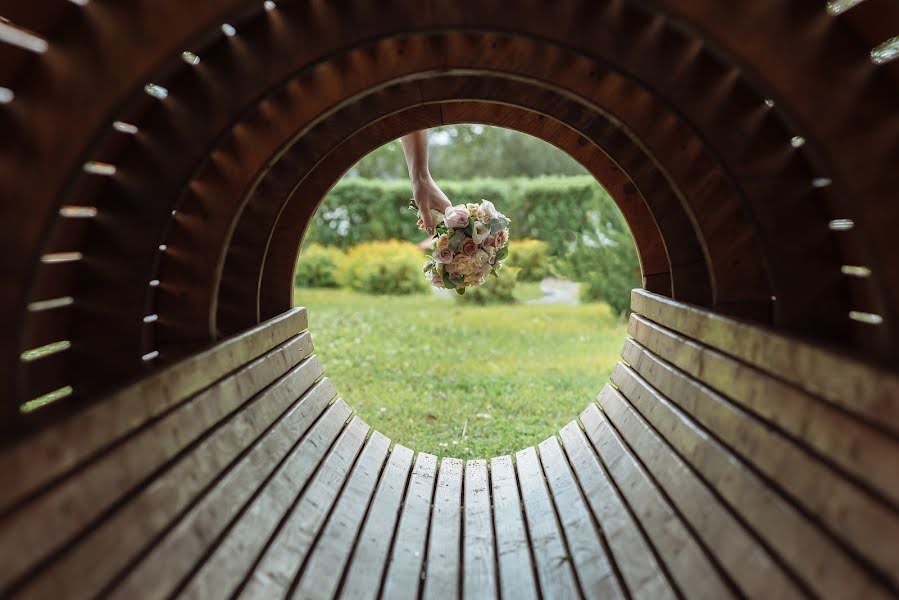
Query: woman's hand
[(428, 196)]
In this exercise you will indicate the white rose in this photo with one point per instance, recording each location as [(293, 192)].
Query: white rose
[(486, 212), (480, 232)]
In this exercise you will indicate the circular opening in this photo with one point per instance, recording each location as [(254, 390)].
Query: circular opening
[(508, 363)]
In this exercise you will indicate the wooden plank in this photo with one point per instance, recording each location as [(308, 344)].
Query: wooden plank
[(283, 558), (160, 570), (857, 448), (847, 511), (442, 573), (229, 563), (552, 557), (688, 565), (852, 385), (639, 568), (516, 571), (363, 579), (404, 569), (56, 516), (787, 531), (478, 547), (326, 563), (34, 462), (45, 374), (592, 566)]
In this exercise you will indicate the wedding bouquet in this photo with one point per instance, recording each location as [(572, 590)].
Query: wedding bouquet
[(471, 243)]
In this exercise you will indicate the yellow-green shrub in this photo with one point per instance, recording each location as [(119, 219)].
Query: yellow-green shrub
[(531, 256), (389, 267), (317, 265), (495, 290)]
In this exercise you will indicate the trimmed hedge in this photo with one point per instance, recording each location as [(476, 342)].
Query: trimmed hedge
[(531, 257), (495, 290)]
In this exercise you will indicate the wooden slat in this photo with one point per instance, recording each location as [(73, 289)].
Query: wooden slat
[(639, 568), (363, 579), (47, 326), (45, 374), (687, 563), (850, 513), (860, 450), (852, 385), (326, 563), (38, 460), (551, 555), (404, 570), (54, 517), (827, 570), (160, 571), (591, 563), (478, 547), (516, 571), (231, 560), (444, 561), (276, 570)]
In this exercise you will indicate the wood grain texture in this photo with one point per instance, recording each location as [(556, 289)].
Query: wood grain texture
[(231, 560), (161, 570), (323, 569), (56, 516), (369, 558), (639, 568), (517, 578), (691, 569), (552, 557), (827, 571), (36, 461), (277, 569), (853, 515), (444, 559), (592, 566), (858, 449), (854, 386), (403, 578), (478, 544)]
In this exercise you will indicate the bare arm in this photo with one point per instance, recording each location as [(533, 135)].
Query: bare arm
[(425, 191)]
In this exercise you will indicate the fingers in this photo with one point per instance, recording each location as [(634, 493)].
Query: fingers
[(428, 221)]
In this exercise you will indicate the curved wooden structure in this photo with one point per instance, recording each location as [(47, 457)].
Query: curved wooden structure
[(161, 161)]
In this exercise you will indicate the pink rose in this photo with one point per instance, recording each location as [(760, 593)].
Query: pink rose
[(443, 255), (436, 279), (500, 239), (469, 247), (456, 217)]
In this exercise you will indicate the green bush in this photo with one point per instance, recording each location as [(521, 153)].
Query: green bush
[(389, 267), (316, 266), (608, 270), (531, 257), (495, 290)]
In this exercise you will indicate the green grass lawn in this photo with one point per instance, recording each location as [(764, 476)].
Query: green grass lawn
[(463, 381)]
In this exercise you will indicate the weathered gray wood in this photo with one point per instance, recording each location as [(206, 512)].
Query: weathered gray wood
[(690, 568), (591, 564), (551, 555), (856, 447), (231, 560), (639, 568), (280, 563), (158, 574), (363, 579), (853, 385), (326, 563), (478, 547), (851, 514), (444, 560), (516, 571), (53, 518), (827, 570), (40, 459), (404, 569)]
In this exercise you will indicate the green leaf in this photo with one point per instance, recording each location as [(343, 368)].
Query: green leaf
[(493, 272), (497, 224), (447, 282), (502, 253), (460, 291)]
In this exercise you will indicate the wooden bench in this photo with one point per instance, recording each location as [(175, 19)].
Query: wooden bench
[(713, 467)]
